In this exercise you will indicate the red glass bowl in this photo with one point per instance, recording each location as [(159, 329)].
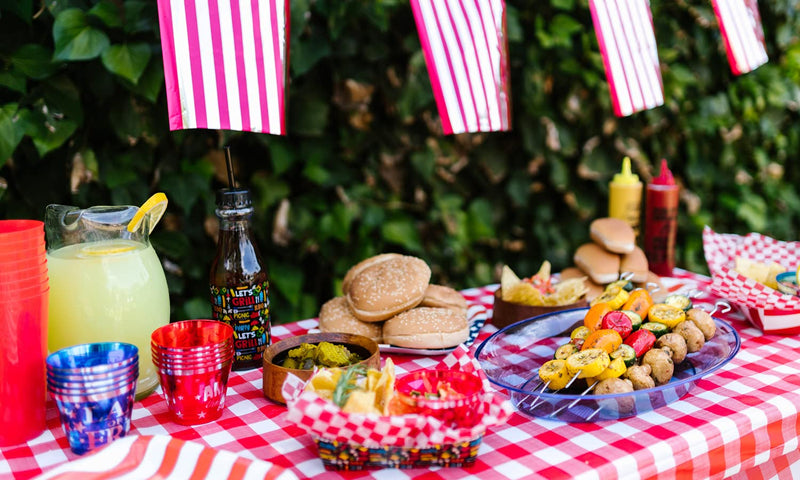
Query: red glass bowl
[(452, 396)]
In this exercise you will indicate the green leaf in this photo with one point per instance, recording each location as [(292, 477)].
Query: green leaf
[(402, 231), (424, 164), (480, 220), (174, 244), (34, 60), (108, 12), (309, 115), (291, 280), (14, 80), (11, 132), (21, 8), (563, 4), (197, 308), (75, 39), (151, 81), (281, 156), (127, 60), (55, 115), (307, 52), (141, 16)]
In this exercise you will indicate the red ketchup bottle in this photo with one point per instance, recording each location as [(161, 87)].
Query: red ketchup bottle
[(661, 222)]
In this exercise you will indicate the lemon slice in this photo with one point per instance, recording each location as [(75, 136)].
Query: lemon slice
[(107, 249), (153, 208)]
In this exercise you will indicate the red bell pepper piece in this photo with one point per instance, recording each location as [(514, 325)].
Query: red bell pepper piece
[(641, 340)]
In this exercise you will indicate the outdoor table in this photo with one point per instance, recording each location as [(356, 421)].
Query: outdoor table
[(740, 421)]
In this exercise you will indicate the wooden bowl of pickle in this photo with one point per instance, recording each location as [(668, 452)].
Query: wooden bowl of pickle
[(299, 355)]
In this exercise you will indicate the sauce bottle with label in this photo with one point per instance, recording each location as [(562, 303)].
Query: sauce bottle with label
[(661, 222), (238, 281), (625, 196)]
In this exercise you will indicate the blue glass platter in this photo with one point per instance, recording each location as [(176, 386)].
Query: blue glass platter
[(512, 356)]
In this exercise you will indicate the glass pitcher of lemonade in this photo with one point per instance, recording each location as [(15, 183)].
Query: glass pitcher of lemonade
[(106, 282)]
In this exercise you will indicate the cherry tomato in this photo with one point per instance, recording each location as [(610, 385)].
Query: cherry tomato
[(618, 321), (604, 339), (641, 340), (594, 317)]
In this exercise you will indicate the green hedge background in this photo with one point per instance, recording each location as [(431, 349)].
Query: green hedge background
[(365, 168)]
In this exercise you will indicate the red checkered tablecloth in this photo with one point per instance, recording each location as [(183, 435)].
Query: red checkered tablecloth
[(742, 421)]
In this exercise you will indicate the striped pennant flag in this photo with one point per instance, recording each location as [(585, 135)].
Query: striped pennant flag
[(464, 43), (225, 63), (160, 457), (741, 29), (627, 42)]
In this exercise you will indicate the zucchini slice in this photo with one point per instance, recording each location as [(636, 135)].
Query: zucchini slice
[(626, 353), (565, 351), (657, 328), (636, 319), (679, 300)]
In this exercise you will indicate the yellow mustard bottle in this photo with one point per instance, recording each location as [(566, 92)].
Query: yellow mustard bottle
[(625, 196)]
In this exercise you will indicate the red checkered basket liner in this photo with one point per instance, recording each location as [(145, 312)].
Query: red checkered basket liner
[(324, 419), (721, 251)]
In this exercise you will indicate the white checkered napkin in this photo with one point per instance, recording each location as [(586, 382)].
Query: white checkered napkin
[(766, 249), (322, 418), (745, 291), (721, 251)]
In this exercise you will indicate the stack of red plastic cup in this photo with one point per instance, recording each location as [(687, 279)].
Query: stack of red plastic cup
[(23, 330), (193, 358)]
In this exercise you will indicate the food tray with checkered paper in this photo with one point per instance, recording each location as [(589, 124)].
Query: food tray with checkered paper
[(352, 441), (768, 309)]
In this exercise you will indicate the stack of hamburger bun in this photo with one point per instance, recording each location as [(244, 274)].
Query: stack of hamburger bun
[(390, 299), (612, 252)]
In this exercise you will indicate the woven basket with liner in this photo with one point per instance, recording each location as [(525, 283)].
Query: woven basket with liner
[(350, 441)]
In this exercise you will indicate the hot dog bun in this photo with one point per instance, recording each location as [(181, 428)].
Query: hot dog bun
[(635, 263), (592, 289), (613, 234), (599, 264)]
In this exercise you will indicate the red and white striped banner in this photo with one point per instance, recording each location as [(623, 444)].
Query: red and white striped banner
[(464, 43), (627, 42), (741, 29), (225, 63), (160, 457)]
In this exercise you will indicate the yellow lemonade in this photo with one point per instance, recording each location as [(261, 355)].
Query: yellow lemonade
[(108, 291)]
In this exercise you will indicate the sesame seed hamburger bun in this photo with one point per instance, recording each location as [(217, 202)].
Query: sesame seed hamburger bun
[(444, 297), (384, 289), (426, 327), (335, 316), (363, 264)]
